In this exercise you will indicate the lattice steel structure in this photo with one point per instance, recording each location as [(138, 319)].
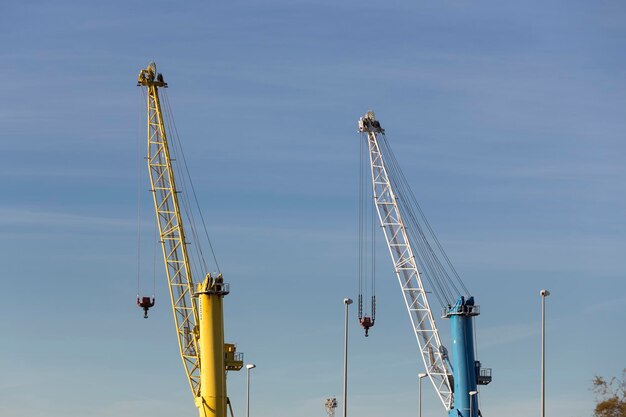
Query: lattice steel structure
[(171, 232)]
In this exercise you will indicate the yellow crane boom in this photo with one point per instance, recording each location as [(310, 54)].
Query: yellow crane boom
[(198, 310)]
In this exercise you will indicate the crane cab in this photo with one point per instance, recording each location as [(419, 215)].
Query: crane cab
[(145, 303)]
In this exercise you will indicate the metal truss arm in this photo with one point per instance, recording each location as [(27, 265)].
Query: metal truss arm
[(171, 231), (405, 267)]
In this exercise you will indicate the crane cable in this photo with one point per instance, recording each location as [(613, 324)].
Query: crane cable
[(360, 227), (362, 243), (186, 178), (367, 240), (441, 277), (431, 267), (427, 223), (139, 205), (197, 263), (139, 157)]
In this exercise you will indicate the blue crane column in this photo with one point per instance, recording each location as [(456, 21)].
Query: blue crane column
[(465, 368)]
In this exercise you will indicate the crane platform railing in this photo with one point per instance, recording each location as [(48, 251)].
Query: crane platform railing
[(465, 311)]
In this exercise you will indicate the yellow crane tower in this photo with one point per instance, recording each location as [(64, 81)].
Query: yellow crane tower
[(198, 310)]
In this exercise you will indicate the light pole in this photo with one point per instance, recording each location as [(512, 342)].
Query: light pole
[(544, 294), (347, 302), (420, 392), (248, 367), (471, 394)]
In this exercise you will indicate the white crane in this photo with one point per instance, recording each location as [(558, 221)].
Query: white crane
[(419, 258), (432, 351)]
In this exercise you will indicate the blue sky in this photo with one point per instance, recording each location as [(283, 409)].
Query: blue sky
[(508, 120)]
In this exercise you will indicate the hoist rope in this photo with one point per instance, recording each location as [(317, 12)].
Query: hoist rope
[(373, 227), (441, 277), (413, 200), (196, 263), (140, 158), (139, 200), (194, 194), (360, 227), (154, 253), (367, 238), (448, 280), (429, 263), (186, 178), (366, 245)]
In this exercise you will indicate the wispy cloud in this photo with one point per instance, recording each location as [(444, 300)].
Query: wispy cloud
[(506, 334), (24, 217), (570, 406), (583, 253), (607, 306)]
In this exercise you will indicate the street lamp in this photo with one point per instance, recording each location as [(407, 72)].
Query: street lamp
[(544, 294), (420, 392), (248, 367), (347, 302), (471, 394)]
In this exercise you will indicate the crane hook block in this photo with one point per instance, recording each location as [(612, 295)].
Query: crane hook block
[(366, 322), (145, 303)]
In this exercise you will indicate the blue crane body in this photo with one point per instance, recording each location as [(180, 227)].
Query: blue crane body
[(464, 366)]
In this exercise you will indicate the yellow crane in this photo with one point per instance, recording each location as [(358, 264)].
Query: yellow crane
[(198, 309)]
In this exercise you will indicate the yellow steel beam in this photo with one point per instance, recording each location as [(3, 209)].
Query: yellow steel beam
[(198, 312)]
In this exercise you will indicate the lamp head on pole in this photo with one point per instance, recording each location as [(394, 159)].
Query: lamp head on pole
[(250, 366), (347, 301), (422, 375), (544, 293)]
